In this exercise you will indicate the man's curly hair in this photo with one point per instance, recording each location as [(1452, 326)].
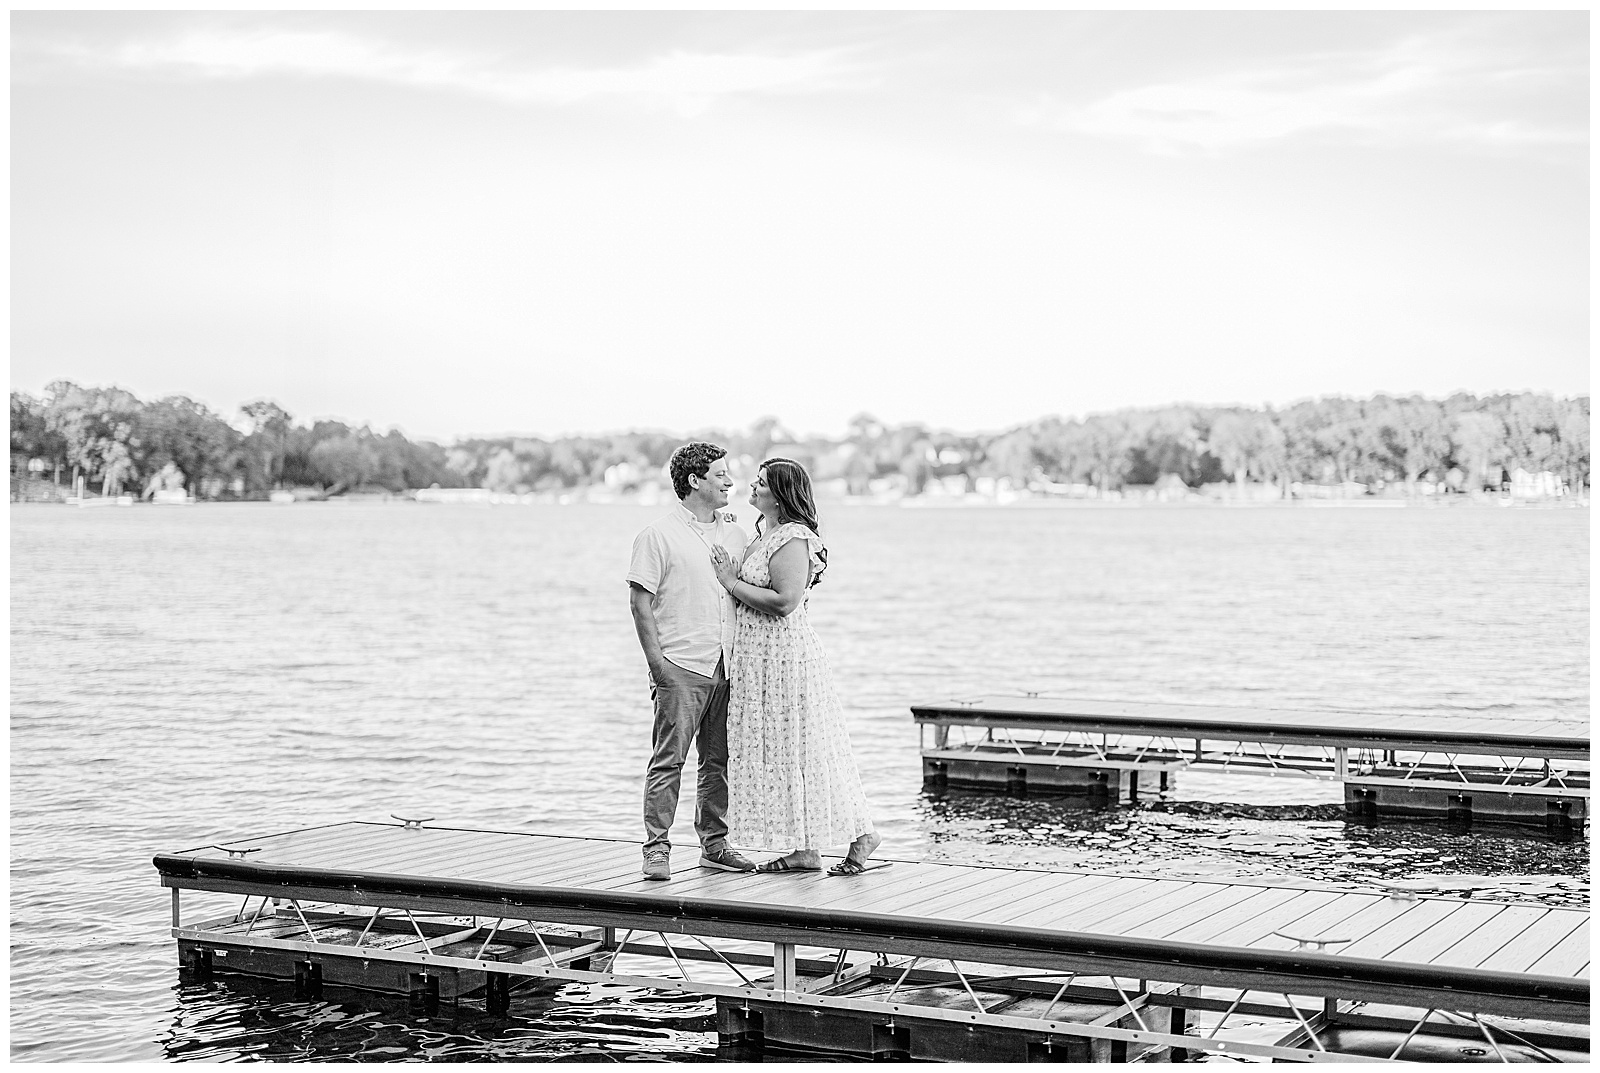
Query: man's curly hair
[(693, 457)]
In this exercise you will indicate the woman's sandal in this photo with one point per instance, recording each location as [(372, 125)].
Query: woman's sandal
[(847, 867), (783, 864)]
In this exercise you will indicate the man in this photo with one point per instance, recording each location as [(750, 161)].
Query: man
[(684, 619)]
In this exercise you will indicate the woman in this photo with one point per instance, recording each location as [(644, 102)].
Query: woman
[(792, 780)]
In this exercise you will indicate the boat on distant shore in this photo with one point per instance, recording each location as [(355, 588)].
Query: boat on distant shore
[(176, 497)]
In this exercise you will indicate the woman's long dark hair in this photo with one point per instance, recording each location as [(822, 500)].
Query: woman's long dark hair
[(790, 485)]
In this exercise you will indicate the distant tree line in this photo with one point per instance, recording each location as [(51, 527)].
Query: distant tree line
[(1464, 440), (111, 437), (120, 443)]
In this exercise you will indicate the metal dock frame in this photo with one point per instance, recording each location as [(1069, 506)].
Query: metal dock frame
[(1143, 989), (1452, 768)]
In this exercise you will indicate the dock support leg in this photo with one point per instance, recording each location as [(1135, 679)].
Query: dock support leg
[(198, 963), (1557, 822), (177, 920), (739, 1026), (423, 993), (1361, 803), (602, 957), (497, 993), (890, 1043), (308, 979), (1178, 1024), (783, 970)]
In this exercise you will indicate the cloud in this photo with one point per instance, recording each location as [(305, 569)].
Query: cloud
[(1421, 88), (685, 82)]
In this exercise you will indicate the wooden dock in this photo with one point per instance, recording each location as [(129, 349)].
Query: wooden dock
[(1458, 767), (917, 959)]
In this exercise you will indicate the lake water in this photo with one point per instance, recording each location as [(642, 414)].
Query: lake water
[(186, 675)]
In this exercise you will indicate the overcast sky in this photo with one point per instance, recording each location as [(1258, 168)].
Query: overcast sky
[(556, 222)]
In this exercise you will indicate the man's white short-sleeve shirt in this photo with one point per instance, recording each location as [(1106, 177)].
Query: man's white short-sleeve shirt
[(694, 613)]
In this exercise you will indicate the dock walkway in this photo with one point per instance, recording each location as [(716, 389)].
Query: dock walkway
[(1143, 961), (1450, 765)]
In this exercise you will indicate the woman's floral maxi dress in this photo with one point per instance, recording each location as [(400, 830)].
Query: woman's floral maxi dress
[(792, 780)]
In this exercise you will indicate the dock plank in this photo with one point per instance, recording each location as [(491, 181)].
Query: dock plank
[(1472, 950), (1429, 944), (384, 843), (1351, 916), (414, 853), (327, 852), (304, 834), (1205, 904), (553, 864), (462, 856), (532, 865), (588, 875), (999, 896), (287, 846), (945, 895), (860, 897), (687, 880), (945, 899), (817, 890), (622, 875), (1035, 888), (881, 892), (546, 861), (1115, 896), (1174, 895), (1569, 957), (310, 836), (1378, 913), (1250, 932), (879, 887), (1537, 940), (1078, 887), (1112, 900), (1418, 917), (1265, 900), (569, 869)]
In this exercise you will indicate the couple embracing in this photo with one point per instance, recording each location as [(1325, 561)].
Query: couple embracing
[(736, 668)]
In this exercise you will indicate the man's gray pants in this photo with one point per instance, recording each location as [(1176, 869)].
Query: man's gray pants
[(689, 707)]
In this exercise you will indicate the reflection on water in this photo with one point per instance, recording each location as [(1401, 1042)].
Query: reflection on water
[(182, 677), (236, 1017), (1272, 843)]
